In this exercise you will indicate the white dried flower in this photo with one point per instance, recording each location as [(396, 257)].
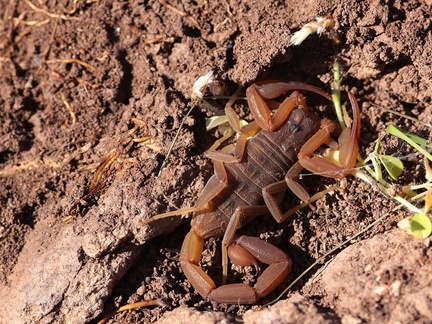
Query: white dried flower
[(201, 83), (318, 27), (299, 36)]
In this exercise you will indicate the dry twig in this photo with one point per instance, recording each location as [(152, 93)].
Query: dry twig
[(49, 14), (69, 108), (73, 60), (73, 10)]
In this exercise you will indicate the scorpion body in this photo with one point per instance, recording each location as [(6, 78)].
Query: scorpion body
[(269, 157), (250, 180)]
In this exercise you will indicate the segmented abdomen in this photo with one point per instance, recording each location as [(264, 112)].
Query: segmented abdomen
[(268, 157)]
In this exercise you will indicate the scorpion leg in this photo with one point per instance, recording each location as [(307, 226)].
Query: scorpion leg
[(213, 188), (246, 131), (348, 148), (272, 204), (296, 188), (280, 186), (233, 225)]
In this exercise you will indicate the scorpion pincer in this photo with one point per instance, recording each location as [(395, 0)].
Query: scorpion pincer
[(250, 180)]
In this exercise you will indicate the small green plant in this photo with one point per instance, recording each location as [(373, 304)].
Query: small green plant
[(392, 164), (419, 224)]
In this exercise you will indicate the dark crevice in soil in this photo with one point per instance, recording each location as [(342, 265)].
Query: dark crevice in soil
[(191, 31), (112, 35), (395, 14), (403, 61), (229, 45), (26, 215), (124, 90)]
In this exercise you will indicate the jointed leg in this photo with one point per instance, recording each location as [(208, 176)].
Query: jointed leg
[(291, 183), (348, 148), (240, 147), (213, 188), (233, 225)]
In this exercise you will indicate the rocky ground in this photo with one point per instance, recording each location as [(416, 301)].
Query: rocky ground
[(92, 94)]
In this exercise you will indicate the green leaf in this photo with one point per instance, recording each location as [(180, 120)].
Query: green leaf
[(421, 226), (415, 138), (393, 165), (418, 139), (410, 138)]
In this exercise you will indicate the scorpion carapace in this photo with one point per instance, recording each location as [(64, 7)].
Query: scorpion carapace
[(269, 155)]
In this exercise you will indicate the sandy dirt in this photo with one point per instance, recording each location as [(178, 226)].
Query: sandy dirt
[(92, 94)]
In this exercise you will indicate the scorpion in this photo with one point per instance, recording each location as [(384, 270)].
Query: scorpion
[(250, 180)]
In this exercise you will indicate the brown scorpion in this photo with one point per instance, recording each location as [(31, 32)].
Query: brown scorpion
[(267, 159)]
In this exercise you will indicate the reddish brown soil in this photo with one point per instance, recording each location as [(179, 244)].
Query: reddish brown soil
[(80, 79)]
